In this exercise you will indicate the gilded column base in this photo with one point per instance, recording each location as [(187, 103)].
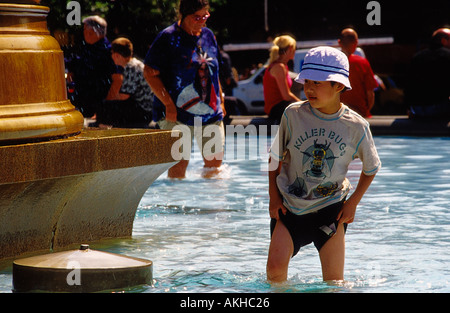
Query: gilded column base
[(33, 94)]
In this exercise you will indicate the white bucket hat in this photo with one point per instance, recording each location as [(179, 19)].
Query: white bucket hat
[(325, 64)]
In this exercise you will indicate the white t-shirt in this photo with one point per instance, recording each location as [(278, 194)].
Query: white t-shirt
[(316, 150), (135, 84)]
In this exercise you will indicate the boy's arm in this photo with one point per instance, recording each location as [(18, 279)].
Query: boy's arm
[(348, 211), (275, 199)]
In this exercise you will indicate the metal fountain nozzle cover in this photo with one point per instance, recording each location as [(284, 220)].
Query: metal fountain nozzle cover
[(82, 270)]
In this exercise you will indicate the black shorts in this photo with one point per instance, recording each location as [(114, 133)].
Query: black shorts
[(315, 227)]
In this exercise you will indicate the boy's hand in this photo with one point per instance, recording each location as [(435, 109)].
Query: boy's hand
[(347, 213), (275, 204), (276, 201)]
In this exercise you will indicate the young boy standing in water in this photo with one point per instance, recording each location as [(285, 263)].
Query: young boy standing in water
[(309, 160)]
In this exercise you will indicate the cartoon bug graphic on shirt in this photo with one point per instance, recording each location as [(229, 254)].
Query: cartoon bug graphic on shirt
[(320, 159)]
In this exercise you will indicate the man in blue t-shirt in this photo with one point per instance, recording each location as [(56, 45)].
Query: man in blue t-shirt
[(182, 68)]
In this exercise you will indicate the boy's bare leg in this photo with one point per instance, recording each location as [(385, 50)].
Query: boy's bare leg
[(280, 252), (332, 256)]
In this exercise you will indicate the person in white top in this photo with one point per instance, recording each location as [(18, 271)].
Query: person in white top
[(129, 100), (309, 159)]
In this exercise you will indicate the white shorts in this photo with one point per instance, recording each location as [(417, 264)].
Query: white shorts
[(210, 139)]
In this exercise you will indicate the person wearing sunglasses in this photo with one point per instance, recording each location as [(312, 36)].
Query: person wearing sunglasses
[(182, 68)]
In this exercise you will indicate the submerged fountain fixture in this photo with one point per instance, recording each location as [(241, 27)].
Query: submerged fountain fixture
[(61, 184), (82, 270)]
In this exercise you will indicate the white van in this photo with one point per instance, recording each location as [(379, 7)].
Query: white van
[(249, 93)]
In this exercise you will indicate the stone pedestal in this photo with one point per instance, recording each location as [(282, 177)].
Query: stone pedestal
[(80, 189), (60, 184)]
